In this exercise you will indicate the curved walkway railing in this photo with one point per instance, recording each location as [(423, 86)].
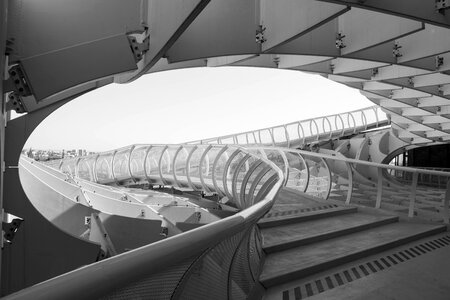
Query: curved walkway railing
[(229, 171), (424, 179), (296, 134), (333, 176), (223, 169), (226, 254)]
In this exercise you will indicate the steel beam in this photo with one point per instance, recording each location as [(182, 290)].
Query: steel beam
[(362, 36), (419, 10), (54, 72), (319, 41), (167, 21), (287, 20), (223, 28)]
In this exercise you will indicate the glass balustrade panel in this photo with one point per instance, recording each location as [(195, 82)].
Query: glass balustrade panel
[(249, 197), (251, 138), (241, 173), (319, 179), (233, 170), (265, 137), (292, 130), (277, 158), (227, 141), (152, 164), (298, 173), (219, 167), (121, 160), (242, 139), (137, 160), (180, 165), (279, 136), (68, 166), (166, 164), (194, 166), (103, 168)]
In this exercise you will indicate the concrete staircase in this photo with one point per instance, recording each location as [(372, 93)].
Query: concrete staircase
[(300, 244)]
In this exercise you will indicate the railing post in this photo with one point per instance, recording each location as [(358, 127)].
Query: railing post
[(446, 216), (375, 108), (161, 177), (300, 127), (288, 140), (364, 119), (129, 162), (412, 199), (272, 137), (350, 185), (379, 187)]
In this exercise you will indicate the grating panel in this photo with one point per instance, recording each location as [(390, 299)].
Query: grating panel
[(296, 211), (319, 285)]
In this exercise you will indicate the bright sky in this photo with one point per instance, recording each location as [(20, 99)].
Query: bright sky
[(190, 104)]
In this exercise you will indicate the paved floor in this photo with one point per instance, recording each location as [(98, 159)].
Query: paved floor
[(424, 275)]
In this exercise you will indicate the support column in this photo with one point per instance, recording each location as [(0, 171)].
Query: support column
[(3, 19), (40, 250)]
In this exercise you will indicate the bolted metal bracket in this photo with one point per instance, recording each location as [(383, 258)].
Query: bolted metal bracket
[(276, 60), (137, 48), (164, 231), (391, 94), (17, 81), (15, 103), (439, 62), (374, 72), (441, 6), (10, 229), (340, 41), (260, 38), (18, 87), (396, 51)]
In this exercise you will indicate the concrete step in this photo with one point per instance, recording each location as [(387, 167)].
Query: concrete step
[(303, 217), (297, 198), (285, 209), (293, 235), (302, 261)]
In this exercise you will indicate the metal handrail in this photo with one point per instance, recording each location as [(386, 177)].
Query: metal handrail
[(353, 178), (289, 140)]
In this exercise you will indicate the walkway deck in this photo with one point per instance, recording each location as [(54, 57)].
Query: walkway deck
[(336, 252)]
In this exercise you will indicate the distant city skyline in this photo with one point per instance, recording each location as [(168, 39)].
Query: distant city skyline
[(190, 104)]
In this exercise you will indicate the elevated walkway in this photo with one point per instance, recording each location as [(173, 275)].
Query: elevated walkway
[(350, 42), (310, 131), (296, 216)]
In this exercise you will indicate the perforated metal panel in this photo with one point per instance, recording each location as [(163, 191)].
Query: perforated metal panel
[(157, 287), (208, 277)]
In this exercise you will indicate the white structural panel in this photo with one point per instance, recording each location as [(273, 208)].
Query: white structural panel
[(399, 52)]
